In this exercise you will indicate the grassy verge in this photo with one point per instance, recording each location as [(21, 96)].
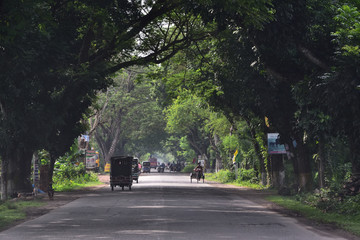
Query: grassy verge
[(216, 178), (344, 221), (70, 186), (81, 181), (323, 208), (13, 211)]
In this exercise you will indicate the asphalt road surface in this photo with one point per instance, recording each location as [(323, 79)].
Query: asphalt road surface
[(165, 206)]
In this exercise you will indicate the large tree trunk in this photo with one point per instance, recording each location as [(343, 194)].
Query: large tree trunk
[(199, 146), (263, 168), (4, 172), (352, 187), (302, 168), (105, 148), (50, 189), (16, 173), (277, 170), (321, 160), (354, 143), (218, 160)]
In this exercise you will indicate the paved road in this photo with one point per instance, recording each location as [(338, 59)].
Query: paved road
[(164, 206)]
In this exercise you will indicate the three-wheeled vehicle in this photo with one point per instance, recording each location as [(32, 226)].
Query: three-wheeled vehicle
[(146, 167), (136, 171), (121, 172)]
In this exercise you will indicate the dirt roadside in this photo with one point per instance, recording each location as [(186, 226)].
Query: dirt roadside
[(60, 199), (257, 196)]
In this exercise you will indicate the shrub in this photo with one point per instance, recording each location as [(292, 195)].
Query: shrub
[(330, 201), (68, 176), (225, 176), (247, 175), (349, 205), (188, 168), (68, 171)]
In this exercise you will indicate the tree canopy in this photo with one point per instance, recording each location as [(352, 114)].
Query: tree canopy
[(295, 63)]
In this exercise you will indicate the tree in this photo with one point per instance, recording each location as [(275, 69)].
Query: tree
[(130, 121), (346, 112), (296, 60), (186, 116), (63, 53)]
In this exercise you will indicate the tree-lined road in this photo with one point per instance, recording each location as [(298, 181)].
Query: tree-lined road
[(164, 206)]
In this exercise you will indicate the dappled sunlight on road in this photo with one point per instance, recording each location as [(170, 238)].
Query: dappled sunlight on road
[(149, 232), (165, 206)]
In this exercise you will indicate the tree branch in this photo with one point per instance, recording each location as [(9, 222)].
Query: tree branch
[(308, 54)]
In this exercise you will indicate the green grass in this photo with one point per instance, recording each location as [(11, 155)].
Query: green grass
[(249, 185), (82, 181), (71, 185), (14, 211), (225, 180), (344, 221), (346, 218)]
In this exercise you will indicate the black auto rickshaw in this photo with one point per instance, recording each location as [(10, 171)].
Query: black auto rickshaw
[(146, 167), (121, 172)]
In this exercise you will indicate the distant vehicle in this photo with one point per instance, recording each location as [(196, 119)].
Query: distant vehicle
[(92, 160), (153, 162), (121, 172), (146, 167), (136, 171), (161, 168)]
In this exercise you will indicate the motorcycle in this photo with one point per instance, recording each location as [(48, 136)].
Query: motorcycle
[(161, 168)]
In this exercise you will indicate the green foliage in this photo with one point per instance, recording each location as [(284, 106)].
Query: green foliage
[(188, 168), (247, 175), (68, 170), (68, 175), (88, 179), (224, 176), (187, 152), (131, 110), (44, 157), (329, 201), (350, 205), (230, 143), (349, 222), (348, 34), (186, 117), (228, 177)]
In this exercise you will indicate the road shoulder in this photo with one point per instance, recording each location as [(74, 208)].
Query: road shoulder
[(259, 197)]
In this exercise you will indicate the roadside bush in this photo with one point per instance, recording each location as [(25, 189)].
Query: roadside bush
[(68, 170), (224, 176), (330, 201), (188, 168), (247, 175), (324, 199), (68, 176), (350, 205)]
